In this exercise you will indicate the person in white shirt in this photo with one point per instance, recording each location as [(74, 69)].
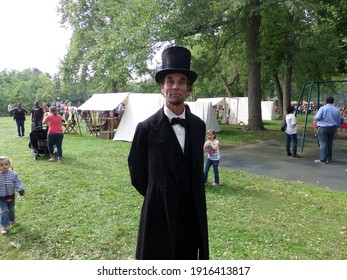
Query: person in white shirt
[(291, 132)]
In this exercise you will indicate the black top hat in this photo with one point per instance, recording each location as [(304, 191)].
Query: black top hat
[(175, 60)]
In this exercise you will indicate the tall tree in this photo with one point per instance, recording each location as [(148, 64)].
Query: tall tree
[(254, 65)]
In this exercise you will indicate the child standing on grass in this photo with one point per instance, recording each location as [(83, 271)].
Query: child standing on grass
[(9, 182), (213, 156)]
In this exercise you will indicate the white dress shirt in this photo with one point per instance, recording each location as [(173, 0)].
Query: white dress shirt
[(178, 129)]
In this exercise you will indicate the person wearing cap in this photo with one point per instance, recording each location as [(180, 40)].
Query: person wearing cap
[(166, 167)]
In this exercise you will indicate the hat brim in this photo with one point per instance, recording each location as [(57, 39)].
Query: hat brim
[(191, 75)]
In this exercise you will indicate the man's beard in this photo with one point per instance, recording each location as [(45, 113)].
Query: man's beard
[(176, 101)]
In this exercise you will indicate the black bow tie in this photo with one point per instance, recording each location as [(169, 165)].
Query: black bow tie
[(182, 122)]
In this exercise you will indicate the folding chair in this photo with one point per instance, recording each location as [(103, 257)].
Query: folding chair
[(70, 125), (93, 129)]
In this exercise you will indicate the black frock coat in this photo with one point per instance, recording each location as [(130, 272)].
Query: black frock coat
[(154, 175)]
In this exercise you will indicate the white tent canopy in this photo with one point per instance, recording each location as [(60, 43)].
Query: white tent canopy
[(218, 101), (236, 109), (205, 112), (140, 106), (104, 101), (214, 100)]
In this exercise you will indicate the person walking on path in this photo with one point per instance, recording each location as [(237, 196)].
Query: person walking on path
[(166, 167), (55, 133), (291, 132), (213, 156), (328, 120), (9, 183)]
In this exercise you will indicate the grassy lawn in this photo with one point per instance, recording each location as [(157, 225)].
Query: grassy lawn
[(86, 209)]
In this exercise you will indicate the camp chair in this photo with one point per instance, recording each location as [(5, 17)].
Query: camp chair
[(70, 125), (93, 129)]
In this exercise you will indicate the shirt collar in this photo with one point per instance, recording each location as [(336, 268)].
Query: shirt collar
[(171, 115)]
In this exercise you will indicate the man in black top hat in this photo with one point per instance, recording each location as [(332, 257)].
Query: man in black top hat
[(166, 167)]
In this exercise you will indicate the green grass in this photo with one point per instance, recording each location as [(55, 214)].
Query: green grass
[(86, 209)]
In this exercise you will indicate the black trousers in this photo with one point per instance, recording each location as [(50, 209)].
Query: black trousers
[(20, 127)]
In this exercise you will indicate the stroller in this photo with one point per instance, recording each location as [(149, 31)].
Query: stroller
[(38, 141)]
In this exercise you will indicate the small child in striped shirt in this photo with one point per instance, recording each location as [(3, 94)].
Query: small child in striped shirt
[(9, 182)]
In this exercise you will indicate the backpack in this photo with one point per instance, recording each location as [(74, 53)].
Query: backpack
[(283, 124)]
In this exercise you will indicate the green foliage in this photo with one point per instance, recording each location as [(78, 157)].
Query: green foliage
[(86, 208), (25, 87)]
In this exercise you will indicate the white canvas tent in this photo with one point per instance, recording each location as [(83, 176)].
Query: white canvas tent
[(98, 103), (205, 112), (139, 107), (268, 110), (239, 110), (236, 109), (142, 105), (218, 101), (238, 113), (104, 101)]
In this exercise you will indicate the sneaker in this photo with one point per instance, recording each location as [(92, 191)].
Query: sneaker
[(3, 230), (319, 161), (13, 223), (60, 160), (215, 184), (51, 159)]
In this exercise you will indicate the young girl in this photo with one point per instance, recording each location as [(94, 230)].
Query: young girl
[(291, 132), (9, 182), (213, 156)]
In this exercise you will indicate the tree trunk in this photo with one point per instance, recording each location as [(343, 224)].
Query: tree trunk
[(226, 87), (287, 93), (254, 67), (224, 82), (279, 92), (289, 46)]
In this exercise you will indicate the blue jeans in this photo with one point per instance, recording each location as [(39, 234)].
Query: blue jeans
[(20, 127), (57, 140), (215, 164), (7, 213), (289, 137), (326, 138)]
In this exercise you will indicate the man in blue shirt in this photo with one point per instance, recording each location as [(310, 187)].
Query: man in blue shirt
[(328, 120)]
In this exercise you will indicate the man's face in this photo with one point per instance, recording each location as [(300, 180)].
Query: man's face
[(175, 88)]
